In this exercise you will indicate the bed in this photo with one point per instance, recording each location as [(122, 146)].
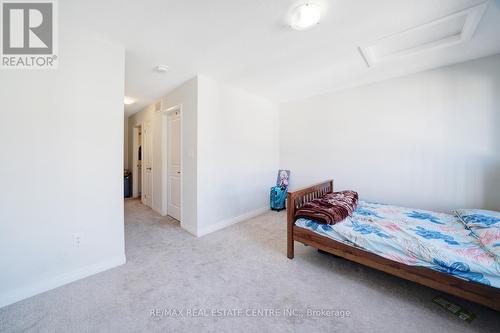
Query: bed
[(429, 248)]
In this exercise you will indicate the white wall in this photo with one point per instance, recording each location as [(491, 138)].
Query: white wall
[(185, 95), (61, 138), (427, 140), (229, 153), (238, 154)]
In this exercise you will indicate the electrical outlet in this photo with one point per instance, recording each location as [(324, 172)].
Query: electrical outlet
[(77, 239)]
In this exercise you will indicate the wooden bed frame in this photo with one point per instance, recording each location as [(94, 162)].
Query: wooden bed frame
[(475, 292)]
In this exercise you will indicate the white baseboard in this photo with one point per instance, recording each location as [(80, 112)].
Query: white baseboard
[(19, 294), (192, 231), (226, 223), (159, 210)]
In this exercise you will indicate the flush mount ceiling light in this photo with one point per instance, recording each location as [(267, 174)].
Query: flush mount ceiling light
[(128, 100), (161, 69), (305, 16)]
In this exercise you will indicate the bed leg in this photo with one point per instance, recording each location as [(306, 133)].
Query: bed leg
[(290, 213), (289, 241), (290, 247)]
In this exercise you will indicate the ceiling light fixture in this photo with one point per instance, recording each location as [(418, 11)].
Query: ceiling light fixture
[(128, 100), (161, 69), (305, 16)]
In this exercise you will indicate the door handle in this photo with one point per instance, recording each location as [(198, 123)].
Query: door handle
[(179, 172), (148, 168)]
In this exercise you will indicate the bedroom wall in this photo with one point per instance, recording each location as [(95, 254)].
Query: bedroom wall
[(61, 138), (428, 140), (238, 154)]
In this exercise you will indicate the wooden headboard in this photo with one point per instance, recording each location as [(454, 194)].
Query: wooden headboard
[(298, 198)]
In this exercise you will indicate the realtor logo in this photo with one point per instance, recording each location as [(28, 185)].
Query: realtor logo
[(28, 34)]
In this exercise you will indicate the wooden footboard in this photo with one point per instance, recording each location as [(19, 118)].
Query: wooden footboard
[(475, 292), (297, 199)]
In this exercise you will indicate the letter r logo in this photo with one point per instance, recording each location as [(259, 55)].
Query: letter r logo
[(27, 28)]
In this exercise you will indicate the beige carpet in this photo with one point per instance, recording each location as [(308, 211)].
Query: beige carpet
[(241, 279)]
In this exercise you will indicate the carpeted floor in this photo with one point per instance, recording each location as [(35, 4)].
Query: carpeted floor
[(240, 270)]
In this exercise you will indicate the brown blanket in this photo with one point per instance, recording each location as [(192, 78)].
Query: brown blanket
[(331, 208)]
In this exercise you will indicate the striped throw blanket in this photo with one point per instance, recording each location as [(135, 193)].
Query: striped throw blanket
[(331, 208)]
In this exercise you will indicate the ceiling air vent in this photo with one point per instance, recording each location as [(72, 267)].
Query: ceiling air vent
[(449, 30)]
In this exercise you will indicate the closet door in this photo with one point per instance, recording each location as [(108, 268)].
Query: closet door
[(174, 165)]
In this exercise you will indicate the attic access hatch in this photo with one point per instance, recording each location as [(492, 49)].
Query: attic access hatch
[(446, 31)]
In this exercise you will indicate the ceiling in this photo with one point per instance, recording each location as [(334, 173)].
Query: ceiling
[(248, 44)]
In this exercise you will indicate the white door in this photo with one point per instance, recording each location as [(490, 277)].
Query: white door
[(147, 165), (174, 165)]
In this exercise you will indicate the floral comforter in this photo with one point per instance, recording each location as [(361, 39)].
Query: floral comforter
[(414, 237)]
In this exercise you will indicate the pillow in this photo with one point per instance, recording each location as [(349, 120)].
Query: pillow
[(478, 218)]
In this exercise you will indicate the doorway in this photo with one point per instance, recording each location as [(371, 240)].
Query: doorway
[(137, 161), (142, 177)]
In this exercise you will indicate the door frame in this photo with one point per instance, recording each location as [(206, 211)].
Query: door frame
[(135, 159), (148, 124), (164, 157)]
